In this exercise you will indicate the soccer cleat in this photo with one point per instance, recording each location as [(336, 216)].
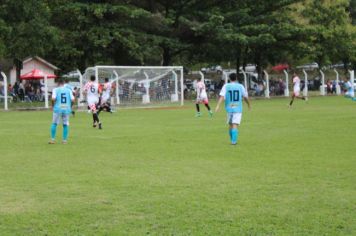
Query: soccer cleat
[(100, 127), (198, 114), (64, 142), (52, 142), (210, 113), (94, 125), (233, 143)]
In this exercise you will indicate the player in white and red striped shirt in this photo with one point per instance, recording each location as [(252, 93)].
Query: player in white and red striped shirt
[(296, 89), (202, 97), (92, 90)]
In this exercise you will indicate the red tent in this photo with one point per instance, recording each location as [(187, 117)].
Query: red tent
[(280, 67), (36, 74)]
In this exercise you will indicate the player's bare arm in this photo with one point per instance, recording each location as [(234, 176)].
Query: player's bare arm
[(221, 99), (247, 100)]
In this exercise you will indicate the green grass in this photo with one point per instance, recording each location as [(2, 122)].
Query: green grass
[(165, 172)]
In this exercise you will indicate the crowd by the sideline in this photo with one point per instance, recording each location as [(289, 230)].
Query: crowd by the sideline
[(277, 86), (29, 91)]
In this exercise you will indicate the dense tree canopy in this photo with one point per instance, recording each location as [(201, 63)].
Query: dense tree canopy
[(77, 34)]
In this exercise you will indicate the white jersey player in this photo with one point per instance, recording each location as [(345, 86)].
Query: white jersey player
[(296, 89), (296, 86), (92, 90), (202, 97), (105, 97)]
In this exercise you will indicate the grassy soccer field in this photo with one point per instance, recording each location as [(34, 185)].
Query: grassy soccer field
[(165, 172)]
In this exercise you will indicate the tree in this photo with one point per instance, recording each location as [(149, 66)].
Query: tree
[(29, 31), (259, 32), (333, 36)]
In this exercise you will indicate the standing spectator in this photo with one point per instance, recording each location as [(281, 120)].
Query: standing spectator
[(328, 87), (16, 88), (2, 88), (333, 90), (21, 91), (281, 86)]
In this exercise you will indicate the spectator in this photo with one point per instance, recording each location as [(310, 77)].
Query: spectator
[(281, 87), (16, 88), (21, 91), (2, 88), (328, 87), (333, 90), (259, 88)]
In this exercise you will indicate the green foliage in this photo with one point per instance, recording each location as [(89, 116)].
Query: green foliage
[(78, 34), (333, 35)]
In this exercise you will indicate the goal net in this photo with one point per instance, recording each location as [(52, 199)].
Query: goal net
[(140, 86)]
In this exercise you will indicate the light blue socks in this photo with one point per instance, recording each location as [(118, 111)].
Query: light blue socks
[(65, 132), (234, 134), (53, 131)]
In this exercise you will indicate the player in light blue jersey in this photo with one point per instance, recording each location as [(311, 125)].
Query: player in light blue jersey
[(62, 100), (350, 91), (67, 85), (233, 93)]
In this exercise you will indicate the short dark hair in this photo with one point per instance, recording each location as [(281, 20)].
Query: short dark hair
[(92, 78), (60, 81), (66, 80), (233, 77), (106, 79)]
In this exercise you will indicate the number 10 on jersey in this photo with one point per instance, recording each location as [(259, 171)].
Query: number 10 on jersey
[(234, 95)]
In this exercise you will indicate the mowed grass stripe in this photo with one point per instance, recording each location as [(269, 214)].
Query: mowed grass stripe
[(166, 172)]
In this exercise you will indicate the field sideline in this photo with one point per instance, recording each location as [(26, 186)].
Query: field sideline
[(165, 172)]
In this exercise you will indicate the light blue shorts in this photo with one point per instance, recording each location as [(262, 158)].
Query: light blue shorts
[(58, 116)]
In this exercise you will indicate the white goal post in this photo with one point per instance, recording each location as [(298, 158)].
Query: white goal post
[(141, 85)]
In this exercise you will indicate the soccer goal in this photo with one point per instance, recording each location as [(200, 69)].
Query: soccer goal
[(141, 86)]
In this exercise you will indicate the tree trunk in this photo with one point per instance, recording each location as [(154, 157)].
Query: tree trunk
[(238, 60), (166, 57), (152, 6), (258, 65)]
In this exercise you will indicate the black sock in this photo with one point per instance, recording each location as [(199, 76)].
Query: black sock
[(100, 108), (198, 108), (96, 117), (207, 106), (108, 107)]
